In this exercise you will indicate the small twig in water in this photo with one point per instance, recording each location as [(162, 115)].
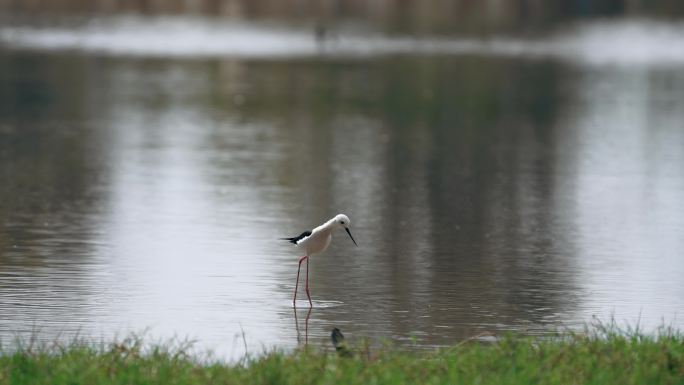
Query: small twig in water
[(244, 339)]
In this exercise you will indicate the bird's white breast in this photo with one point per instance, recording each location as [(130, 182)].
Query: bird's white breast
[(316, 242)]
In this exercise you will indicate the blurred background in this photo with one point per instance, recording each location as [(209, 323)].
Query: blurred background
[(392, 16), (506, 165)]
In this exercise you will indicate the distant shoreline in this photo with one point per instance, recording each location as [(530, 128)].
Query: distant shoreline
[(417, 17)]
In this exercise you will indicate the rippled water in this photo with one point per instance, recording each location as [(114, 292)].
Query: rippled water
[(487, 191)]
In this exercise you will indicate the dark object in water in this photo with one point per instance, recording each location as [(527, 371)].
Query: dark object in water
[(339, 343)]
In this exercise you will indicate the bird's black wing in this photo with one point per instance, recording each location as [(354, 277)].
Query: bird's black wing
[(298, 237)]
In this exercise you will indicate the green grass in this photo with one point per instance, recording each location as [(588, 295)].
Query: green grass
[(600, 355)]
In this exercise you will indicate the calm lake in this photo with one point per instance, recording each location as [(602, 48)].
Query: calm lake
[(148, 168)]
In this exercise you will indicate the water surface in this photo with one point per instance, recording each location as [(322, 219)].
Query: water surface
[(488, 191)]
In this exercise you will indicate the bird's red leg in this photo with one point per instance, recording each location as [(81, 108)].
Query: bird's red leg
[(294, 300), (307, 282)]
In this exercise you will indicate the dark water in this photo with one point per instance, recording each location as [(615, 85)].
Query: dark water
[(490, 189)]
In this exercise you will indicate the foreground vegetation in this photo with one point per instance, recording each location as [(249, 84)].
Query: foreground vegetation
[(602, 355)]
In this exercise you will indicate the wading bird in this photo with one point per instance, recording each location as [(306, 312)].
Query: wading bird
[(316, 241), (339, 343)]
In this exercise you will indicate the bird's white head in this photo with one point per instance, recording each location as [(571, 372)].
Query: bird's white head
[(343, 221)]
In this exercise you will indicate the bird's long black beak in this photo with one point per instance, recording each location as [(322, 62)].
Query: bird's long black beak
[(350, 236)]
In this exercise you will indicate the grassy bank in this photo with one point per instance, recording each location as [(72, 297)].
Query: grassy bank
[(599, 356)]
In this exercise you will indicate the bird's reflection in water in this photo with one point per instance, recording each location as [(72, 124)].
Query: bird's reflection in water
[(306, 326)]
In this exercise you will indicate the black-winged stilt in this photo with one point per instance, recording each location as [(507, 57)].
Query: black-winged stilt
[(316, 241)]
